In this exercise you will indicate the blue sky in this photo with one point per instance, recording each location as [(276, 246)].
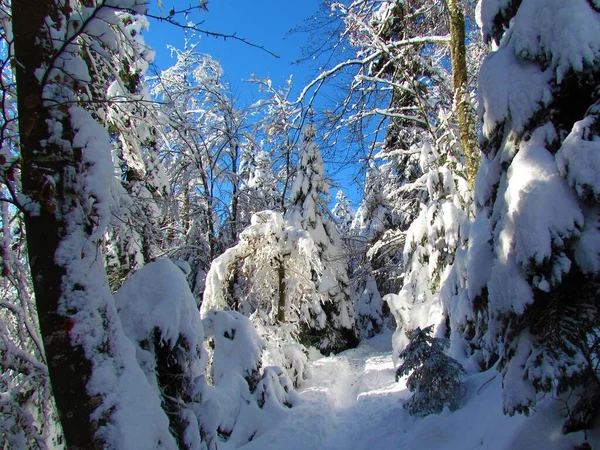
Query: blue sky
[(262, 22)]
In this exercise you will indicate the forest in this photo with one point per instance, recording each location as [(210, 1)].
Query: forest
[(176, 273)]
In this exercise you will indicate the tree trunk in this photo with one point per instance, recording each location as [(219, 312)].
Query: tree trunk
[(185, 211), (281, 291), (464, 110), (43, 162), (233, 209)]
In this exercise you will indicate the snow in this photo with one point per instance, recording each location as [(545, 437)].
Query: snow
[(587, 251), (511, 88), (566, 34), (540, 213), (352, 401), (547, 40), (480, 257), (578, 159), (540, 206), (244, 403), (158, 297)]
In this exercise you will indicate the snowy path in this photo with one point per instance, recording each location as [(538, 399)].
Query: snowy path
[(349, 400), (352, 402)]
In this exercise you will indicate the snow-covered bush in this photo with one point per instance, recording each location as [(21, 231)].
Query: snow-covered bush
[(244, 397), (159, 316), (208, 373), (283, 350), (434, 377)]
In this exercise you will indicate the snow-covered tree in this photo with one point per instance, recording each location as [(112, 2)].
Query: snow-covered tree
[(307, 207), (434, 377), (208, 373), (528, 282), (278, 132), (395, 57), (290, 269), (102, 396), (258, 191), (363, 287), (267, 276), (202, 140), (269, 272), (431, 240), (343, 213), (373, 272), (140, 187), (28, 417)]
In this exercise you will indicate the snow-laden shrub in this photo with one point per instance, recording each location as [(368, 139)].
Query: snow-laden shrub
[(283, 350), (435, 378), (222, 393), (245, 398), (159, 315)]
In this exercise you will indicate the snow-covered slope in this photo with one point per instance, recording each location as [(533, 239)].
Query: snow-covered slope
[(353, 402)]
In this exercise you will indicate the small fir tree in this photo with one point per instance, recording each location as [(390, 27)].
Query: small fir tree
[(343, 213), (435, 378)]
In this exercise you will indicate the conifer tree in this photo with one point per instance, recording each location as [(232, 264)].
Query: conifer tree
[(343, 213), (307, 207), (434, 377), (527, 287)]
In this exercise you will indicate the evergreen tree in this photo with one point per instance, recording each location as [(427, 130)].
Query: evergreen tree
[(431, 240), (525, 292), (343, 213), (307, 207), (434, 377), (258, 191)]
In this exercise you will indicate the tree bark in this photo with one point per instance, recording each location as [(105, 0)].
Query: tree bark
[(281, 291), (40, 157), (464, 110)]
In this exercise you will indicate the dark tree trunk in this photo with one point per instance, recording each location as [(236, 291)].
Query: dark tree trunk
[(43, 162), (585, 411), (281, 289)]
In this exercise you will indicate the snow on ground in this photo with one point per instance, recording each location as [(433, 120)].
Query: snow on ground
[(353, 402)]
